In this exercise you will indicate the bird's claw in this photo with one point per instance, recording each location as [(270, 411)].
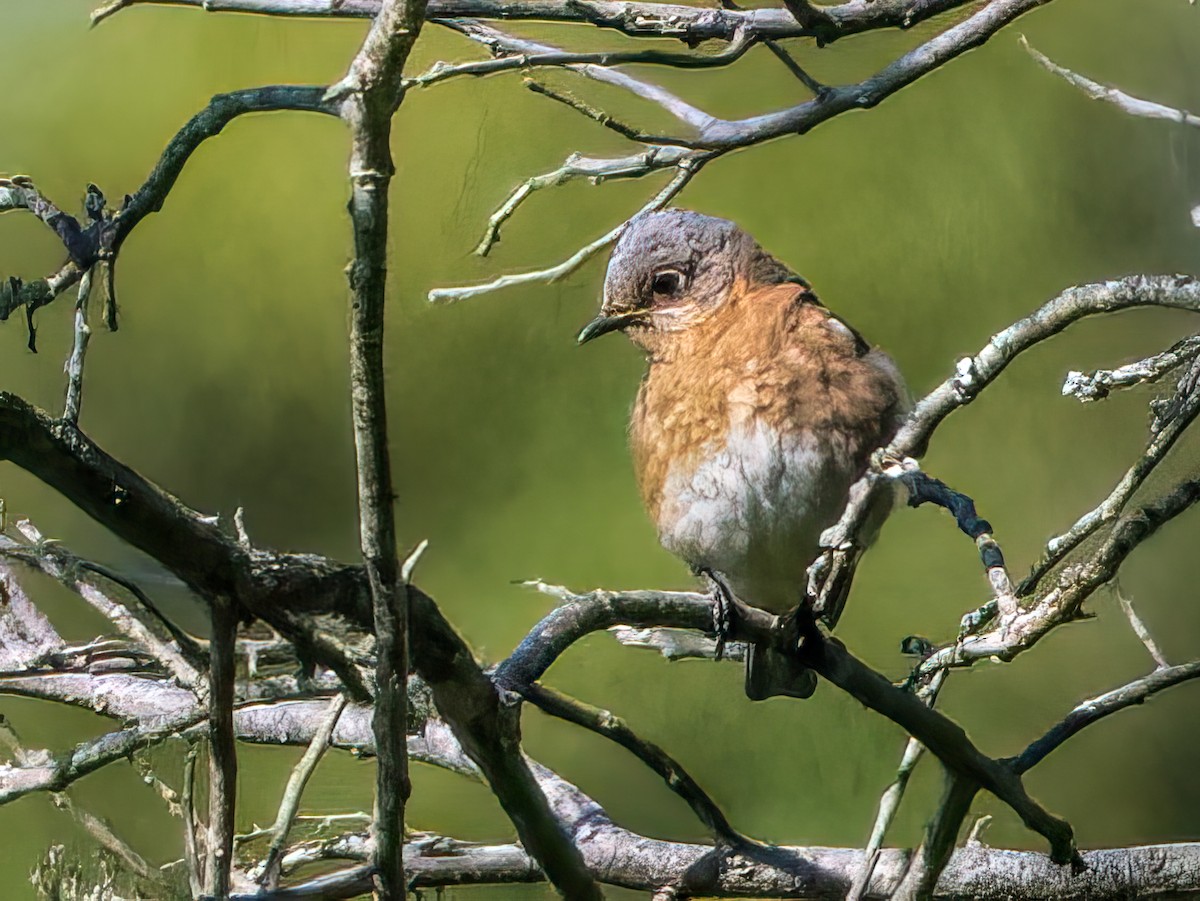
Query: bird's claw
[(724, 604)]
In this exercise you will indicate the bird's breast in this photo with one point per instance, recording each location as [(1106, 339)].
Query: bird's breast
[(752, 504)]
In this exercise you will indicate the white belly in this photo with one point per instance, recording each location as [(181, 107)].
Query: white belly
[(754, 509)]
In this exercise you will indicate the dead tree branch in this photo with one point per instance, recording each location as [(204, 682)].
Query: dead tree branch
[(689, 24), (372, 92), (1127, 103)]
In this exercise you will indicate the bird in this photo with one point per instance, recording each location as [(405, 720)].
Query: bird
[(758, 410)]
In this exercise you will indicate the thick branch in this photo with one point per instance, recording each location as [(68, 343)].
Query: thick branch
[(690, 24), (601, 610), (222, 749)]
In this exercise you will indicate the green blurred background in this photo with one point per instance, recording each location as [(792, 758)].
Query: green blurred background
[(954, 208)]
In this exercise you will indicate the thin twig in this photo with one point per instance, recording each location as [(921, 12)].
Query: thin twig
[(176, 650), (1187, 407), (889, 802), (74, 367), (686, 168), (109, 840), (1101, 706), (796, 69), (502, 43), (289, 804), (602, 722), (690, 24), (533, 56), (187, 802), (1092, 386), (1127, 103), (608, 120), (941, 834), (594, 169)]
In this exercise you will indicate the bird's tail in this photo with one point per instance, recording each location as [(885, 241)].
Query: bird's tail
[(771, 673)]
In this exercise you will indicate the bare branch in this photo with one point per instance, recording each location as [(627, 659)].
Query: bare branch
[(1090, 386), (889, 803), (174, 649), (930, 859), (602, 722), (690, 24), (972, 375), (289, 804), (1061, 602), (686, 168), (373, 90), (503, 44), (1095, 709), (486, 722), (594, 169), (47, 772), (222, 749), (1140, 630), (518, 54), (74, 366), (103, 835), (719, 136), (191, 855), (20, 192), (1127, 103), (208, 123), (678, 644), (1186, 404), (602, 609), (795, 68)]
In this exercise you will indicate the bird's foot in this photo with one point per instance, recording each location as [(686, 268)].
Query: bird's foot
[(725, 607)]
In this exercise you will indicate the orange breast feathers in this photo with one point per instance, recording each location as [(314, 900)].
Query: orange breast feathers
[(769, 374)]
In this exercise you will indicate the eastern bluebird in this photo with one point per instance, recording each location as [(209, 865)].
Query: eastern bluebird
[(759, 410)]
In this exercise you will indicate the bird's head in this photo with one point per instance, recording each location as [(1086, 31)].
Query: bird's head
[(672, 270)]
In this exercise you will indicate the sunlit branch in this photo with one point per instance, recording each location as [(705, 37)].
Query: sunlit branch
[(686, 168), (595, 170), (617, 730), (973, 374), (690, 24), (289, 804), (1186, 409), (533, 56), (1142, 632), (600, 610), (1127, 103), (1092, 386), (504, 45)]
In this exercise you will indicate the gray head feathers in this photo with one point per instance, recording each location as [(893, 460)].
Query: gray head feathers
[(677, 255)]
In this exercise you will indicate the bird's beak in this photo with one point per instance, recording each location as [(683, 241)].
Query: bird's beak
[(603, 324)]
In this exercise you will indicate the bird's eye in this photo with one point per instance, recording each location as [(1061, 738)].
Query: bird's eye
[(667, 283)]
